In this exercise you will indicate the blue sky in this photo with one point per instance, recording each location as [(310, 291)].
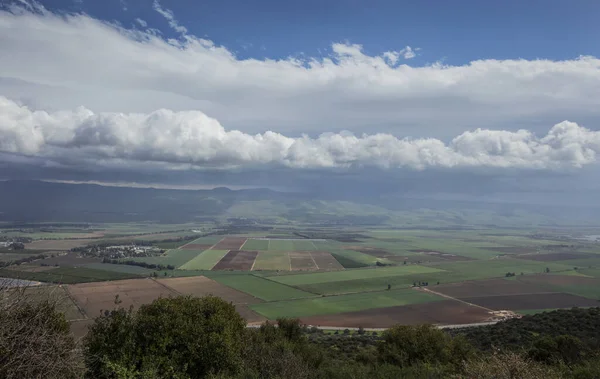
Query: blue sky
[(289, 91), (453, 31)]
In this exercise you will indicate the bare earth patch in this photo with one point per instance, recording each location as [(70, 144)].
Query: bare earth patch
[(302, 261), (490, 287), (230, 243), (326, 261), (532, 301), (201, 286), (236, 260), (445, 312), (98, 296)]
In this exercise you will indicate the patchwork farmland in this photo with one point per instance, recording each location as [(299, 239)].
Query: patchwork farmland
[(371, 278)]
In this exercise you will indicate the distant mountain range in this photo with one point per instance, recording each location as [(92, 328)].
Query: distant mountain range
[(39, 201)]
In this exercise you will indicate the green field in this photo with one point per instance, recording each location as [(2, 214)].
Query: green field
[(264, 289), (348, 262), (272, 260), (173, 257), (358, 274), (67, 275), (205, 260), (290, 245), (208, 240), (354, 259), (343, 303), (499, 267), (128, 269), (256, 244)]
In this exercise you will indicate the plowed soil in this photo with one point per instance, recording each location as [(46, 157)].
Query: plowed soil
[(302, 261), (201, 286), (491, 287), (446, 312), (98, 296), (230, 243), (326, 261), (532, 301), (236, 260)]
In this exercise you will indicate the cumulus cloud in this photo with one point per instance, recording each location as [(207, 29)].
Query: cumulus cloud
[(191, 139), (52, 61)]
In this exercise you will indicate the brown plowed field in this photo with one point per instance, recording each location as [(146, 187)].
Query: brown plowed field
[(326, 261), (236, 260), (201, 286), (230, 243), (490, 287), (446, 312), (98, 296), (532, 301), (195, 246), (302, 261), (249, 314), (551, 257), (559, 280)]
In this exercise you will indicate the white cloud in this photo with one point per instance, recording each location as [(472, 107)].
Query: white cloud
[(54, 62), (170, 17), (408, 52), (141, 22), (174, 140)]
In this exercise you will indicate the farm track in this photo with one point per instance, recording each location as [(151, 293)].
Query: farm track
[(451, 298)]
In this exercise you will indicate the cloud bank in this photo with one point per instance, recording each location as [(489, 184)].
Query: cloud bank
[(191, 139), (54, 62)]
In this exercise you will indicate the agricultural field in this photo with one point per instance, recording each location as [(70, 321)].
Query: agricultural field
[(339, 276), (262, 288)]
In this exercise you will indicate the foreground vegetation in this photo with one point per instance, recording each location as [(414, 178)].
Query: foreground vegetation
[(186, 337)]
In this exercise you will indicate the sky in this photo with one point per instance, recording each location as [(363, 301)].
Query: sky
[(288, 94)]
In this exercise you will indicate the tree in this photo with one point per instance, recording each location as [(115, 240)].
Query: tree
[(547, 270), (35, 340), (171, 337), (412, 345), (389, 287)]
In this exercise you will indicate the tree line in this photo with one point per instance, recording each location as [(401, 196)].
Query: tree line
[(186, 337)]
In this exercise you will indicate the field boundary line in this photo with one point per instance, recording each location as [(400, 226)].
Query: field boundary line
[(210, 248), (452, 298), (289, 259), (315, 246), (242, 247), (268, 244), (313, 259), (255, 259), (79, 308), (287, 285), (169, 288)]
